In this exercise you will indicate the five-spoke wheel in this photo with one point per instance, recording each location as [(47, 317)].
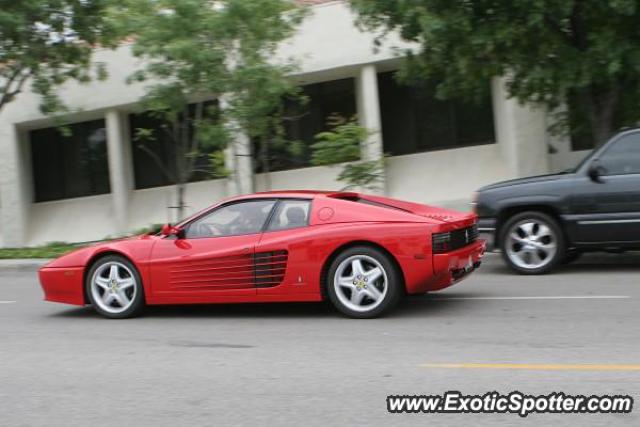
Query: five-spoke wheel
[(363, 282), (114, 287), (532, 243)]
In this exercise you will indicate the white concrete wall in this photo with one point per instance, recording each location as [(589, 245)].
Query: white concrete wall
[(328, 41), (93, 218), (153, 205), (562, 158), (327, 46), (521, 133), (71, 220), (313, 178), (446, 177)]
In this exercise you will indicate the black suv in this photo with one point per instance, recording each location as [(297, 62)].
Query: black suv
[(542, 221)]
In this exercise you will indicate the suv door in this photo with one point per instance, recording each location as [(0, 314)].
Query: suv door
[(608, 205), (216, 255)]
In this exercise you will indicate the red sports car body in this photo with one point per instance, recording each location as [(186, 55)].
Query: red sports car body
[(276, 246)]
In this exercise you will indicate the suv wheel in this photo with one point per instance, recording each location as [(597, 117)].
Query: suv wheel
[(532, 243)]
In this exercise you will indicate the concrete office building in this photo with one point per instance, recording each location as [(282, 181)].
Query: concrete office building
[(96, 183)]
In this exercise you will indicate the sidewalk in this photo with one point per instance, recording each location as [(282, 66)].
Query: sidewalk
[(22, 264)]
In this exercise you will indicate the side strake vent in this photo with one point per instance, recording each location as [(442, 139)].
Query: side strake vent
[(270, 268), (230, 272), (264, 269)]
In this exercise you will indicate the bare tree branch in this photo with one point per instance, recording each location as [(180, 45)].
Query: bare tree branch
[(8, 93)]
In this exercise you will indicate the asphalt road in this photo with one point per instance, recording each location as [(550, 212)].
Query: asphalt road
[(303, 364)]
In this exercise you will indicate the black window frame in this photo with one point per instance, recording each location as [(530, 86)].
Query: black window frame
[(146, 172), (295, 125), (455, 107), (93, 180)]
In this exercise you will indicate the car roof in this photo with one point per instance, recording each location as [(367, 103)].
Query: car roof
[(303, 194)]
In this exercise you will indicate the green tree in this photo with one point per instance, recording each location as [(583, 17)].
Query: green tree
[(203, 49), (343, 144), (549, 50), (49, 42), (194, 131)]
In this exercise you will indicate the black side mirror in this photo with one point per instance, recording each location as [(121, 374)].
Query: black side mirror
[(595, 171)]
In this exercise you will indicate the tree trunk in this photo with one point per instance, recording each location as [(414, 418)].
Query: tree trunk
[(180, 163), (181, 189), (264, 159), (602, 130), (601, 107)]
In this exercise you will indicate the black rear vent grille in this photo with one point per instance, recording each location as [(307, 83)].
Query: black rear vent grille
[(269, 268)]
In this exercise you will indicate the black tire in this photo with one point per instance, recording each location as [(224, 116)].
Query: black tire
[(394, 285), (551, 261), (138, 299)]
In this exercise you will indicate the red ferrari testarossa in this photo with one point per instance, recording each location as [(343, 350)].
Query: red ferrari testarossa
[(361, 252)]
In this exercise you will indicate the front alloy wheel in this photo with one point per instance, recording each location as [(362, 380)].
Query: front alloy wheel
[(114, 288), (532, 243), (363, 282)]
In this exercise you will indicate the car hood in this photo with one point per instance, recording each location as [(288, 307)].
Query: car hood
[(527, 180), (80, 256)]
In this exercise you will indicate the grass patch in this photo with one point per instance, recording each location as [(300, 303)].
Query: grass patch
[(50, 250), (55, 249)]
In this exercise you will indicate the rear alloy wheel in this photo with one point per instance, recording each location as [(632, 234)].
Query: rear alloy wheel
[(363, 282), (114, 288), (532, 243)]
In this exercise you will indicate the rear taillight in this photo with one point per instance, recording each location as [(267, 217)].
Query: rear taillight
[(441, 242)]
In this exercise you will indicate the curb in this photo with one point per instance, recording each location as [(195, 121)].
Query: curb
[(22, 264)]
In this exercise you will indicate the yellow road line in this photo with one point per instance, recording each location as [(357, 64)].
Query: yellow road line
[(533, 367)]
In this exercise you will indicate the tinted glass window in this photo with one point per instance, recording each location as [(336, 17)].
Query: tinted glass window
[(232, 220), (303, 122), (413, 120), (290, 214), (70, 165), (155, 156), (623, 157)]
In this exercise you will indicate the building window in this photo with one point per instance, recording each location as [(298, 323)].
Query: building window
[(413, 120), (70, 163), (155, 155), (303, 122)]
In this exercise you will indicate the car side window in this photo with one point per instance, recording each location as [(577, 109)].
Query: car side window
[(623, 157), (246, 217), (290, 214)]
